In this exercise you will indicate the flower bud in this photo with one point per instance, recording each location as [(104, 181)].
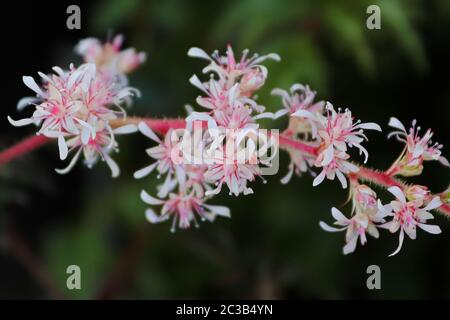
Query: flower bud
[(364, 196), (417, 192)]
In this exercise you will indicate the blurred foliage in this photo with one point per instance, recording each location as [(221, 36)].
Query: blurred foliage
[(272, 247)]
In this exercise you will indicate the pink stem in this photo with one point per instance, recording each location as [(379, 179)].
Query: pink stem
[(159, 125), (163, 125), (380, 178), (31, 143), (23, 147), (303, 147)]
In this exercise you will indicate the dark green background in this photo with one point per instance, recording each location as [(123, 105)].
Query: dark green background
[(272, 247)]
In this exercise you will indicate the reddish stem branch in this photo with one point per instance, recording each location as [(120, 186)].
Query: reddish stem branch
[(16, 245), (31, 143), (124, 267), (163, 125), (159, 125), (377, 177), (303, 147), (23, 147)]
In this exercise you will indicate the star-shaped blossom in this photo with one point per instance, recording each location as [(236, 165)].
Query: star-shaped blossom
[(408, 215), (183, 209)]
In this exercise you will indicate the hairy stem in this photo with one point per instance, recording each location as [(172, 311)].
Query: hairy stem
[(158, 125), (161, 126)]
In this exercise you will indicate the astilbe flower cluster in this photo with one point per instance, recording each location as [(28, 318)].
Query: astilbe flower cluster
[(75, 106), (219, 147), (230, 116)]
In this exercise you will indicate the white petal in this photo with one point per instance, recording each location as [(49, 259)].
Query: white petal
[(167, 186), (369, 126), (272, 56), (145, 171), (328, 155), (342, 179), (219, 210), (444, 161), (146, 131), (318, 180), (288, 176), (150, 200), (126, 129), (400, 243), (21, 122), (351, 245), (194, 80), (30, 83), (71, 164), (152, 217), (328, 228), (424, 215), (62, 145), (85, 135), (26, 101), (383, 210), (430, 228), (395, 123), (398, 193), (339, 216), (271, 115), (433, 204), (195, 52), (115, 171), (303, 113), (59, 71)]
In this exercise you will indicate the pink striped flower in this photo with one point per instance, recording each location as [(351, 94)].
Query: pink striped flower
[(75, 107), (366, 218), (408, 215), (183, 209), (299, 103), (417, 149), (355, 227), (337, 133), (248, 72), (109, 56)]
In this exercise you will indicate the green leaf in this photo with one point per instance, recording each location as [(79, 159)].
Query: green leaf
[(348, 36), (394, 17)]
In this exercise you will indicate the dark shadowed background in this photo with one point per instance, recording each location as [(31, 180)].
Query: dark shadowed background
[(272, 247)]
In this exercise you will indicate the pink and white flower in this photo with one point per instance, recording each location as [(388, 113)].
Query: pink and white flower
[(109, 56), (417, 149), (299, 164), (333, 165), (408, 215), (228, 169), (338, 133), (96, 147), (76, 106), (355, 227), (247, 71), (183, 209), (298, 103)]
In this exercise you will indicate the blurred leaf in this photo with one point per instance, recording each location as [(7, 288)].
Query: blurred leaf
[(249, 21), (347, 35), (113, 13), (306, 63), (394, 17), (82, 246)]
